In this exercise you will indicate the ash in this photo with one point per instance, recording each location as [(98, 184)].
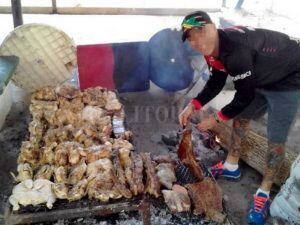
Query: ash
[(160, 215)]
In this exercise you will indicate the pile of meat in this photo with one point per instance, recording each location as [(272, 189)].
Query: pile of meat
[(72, 151)]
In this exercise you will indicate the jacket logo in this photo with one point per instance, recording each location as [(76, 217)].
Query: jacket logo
[(242, 76)]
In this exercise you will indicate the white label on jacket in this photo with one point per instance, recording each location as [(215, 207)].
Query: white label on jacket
[(242, 76)]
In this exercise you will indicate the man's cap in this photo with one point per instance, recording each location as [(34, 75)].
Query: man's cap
[(196, 19)]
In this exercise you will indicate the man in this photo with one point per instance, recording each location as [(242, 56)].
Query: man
[(265, 68)]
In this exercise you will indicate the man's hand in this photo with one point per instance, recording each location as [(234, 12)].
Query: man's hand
[(184, 116), (207, 124)]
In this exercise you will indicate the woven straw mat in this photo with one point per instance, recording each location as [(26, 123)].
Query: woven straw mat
[(47, 55)]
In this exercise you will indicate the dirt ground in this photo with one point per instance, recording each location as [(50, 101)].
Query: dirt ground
[(148, 122)]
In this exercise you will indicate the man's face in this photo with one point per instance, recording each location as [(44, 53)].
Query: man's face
[(203, 39)]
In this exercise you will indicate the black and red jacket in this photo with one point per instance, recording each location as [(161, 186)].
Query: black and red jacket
[(253, 58)]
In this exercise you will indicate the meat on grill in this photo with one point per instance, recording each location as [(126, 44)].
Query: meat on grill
[(137, 168), (166, 174), (60, 174), (77, 172), (186, 154), (177, 201), (152, 183), (207, 199), (128, 165), (44, 172)]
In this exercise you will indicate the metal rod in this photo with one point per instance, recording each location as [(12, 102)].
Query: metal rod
[(145, 213), (16, 9), (108, 10)]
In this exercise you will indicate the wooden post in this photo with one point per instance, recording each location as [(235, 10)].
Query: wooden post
[(16, 9), (54, 7)]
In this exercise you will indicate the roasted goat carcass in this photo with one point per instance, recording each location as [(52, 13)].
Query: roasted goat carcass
[(97, 167), (75, 152), (49, 116), (68, 153), (95, 96), (44, 172), (128, 135), (119, 178), (103, 183), (78, 191), (152, 183), (177, 199), (61, 174), (74, 105), (97, 152), (29, 154), (37, 105), (36, 130), (87, 134), (207, 199), (166, 174), (44, 94), (112, 103), (25, 172), (92, 114), (59, 135), (61, 156), (65, 117), (119, 170), (77, 172), (186, 154), (102, 187), (120, 143), (128, 165), (68, 91), (30, 192), (103, 123), (60, 190), (137, 175), (47, 154)]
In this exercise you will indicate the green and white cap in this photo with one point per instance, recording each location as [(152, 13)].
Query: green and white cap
[(196, 19)]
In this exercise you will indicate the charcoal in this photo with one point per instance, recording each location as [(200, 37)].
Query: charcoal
[(171, 138)]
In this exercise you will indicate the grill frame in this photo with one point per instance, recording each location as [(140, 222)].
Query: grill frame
[(77, 209)]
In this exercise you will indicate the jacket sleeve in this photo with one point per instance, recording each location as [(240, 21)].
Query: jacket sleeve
[(212, 87), (241, 68)]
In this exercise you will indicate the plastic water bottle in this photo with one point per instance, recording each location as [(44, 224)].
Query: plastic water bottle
[(118, 123)]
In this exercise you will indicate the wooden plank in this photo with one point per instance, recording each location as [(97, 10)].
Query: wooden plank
[(108, 11), (254, 149), (28, 10), (16, 9), (87, 211)]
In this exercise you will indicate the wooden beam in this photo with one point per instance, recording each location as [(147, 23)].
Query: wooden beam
[(253, 152), (16, 9), (108, 11)]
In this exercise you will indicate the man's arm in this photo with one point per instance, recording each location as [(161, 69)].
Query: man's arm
[(211, 89), (245, 93), (241, 67)]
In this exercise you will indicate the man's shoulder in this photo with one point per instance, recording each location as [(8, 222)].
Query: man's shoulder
[(251, 36), (240, 34)]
